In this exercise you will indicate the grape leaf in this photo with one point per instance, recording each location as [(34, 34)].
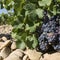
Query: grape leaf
[(44, 3), (39, 12)]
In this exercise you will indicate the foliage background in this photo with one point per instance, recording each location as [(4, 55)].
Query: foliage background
[(27, 16)]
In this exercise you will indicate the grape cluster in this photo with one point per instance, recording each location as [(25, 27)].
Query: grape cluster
[(50, 33)]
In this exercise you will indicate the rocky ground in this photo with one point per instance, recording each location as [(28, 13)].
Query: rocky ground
[(8, 50)]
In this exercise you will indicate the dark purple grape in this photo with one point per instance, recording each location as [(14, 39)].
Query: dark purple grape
[(56, 47), (50, 33)]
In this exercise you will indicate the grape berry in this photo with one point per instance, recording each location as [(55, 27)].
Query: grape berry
[(50, 33)]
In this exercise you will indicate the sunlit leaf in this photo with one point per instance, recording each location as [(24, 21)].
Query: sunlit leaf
[(39, 12), (58, 0), (44, 2), (35, 42)]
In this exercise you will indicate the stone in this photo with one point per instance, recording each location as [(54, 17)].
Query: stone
[(5, 29), (13, 46), (53, 56), (15, 55), (26, 57), (1, 58), (1, 43), (6, 43), (4, 38), (5, 52), (33, 54)]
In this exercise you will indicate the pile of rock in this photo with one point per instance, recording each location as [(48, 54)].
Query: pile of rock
[(6, 47), (8, 51)]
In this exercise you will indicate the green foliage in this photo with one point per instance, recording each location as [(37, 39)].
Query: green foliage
[(45, 3), (27, 16)]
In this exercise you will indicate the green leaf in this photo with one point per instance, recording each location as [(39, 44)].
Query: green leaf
[(13, 35), (28, 38), (54, 10), (39, 12), (47, 2), (29, 6), (8, 4), (19, 26), (21, 45), (26, 13), (18, 6), (44, 2), (58, 0), (27, 27), (41, 3), (35, 42), (32, 15), (23, 36), (32, 29)]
